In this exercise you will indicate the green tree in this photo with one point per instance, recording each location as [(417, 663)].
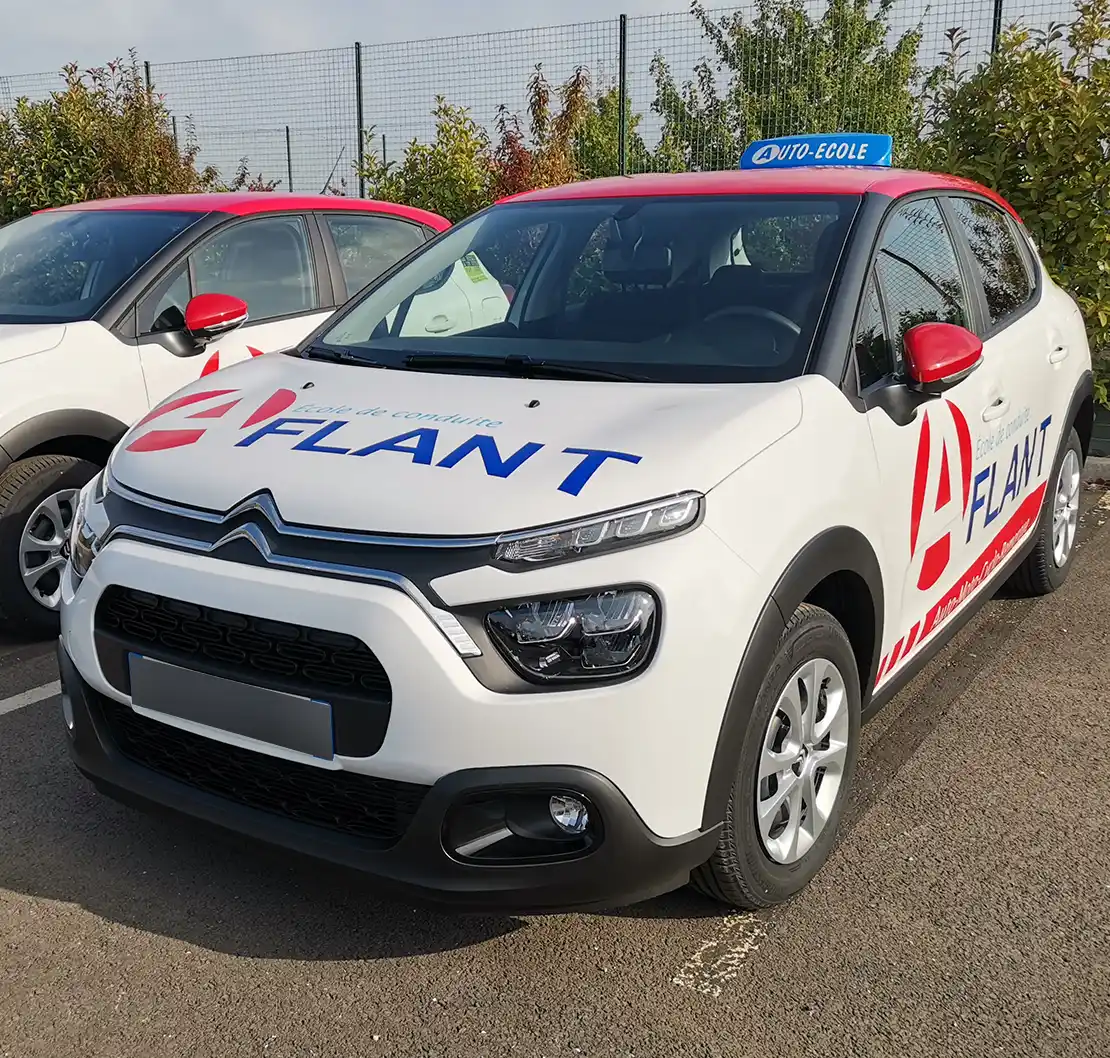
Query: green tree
[(1031, 123), (788, 73), (105, 134), (450, 176), (597, 141)]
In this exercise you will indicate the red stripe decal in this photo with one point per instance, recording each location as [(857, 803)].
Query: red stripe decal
[(160, 440), (182, 402), (217, 411), (274, 405)]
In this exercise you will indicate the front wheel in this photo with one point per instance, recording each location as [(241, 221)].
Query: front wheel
[(38, 497), (795, 769)]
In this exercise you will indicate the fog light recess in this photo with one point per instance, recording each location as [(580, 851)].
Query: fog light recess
[(521, 826)]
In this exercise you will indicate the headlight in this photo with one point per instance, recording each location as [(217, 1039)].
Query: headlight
[(90, 525), (627, 528), (608, 633)]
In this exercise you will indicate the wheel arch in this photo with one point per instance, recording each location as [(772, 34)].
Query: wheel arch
[(1081, 412), (837, 570), (76, 432)]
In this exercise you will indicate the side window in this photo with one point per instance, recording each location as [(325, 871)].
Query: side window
[(999, 263), (872, 347), (369, 244), (918, 274), (266, 262)]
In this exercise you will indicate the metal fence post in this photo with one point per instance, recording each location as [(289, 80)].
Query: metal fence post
[(146, 71), (358, 109), (384, 163), (176, 144), (622, 105), (288, 158), (996, 26)]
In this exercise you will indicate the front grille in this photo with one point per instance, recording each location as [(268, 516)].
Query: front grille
[(312, 662), (377, 810)]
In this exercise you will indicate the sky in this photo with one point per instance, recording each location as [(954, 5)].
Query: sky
[(243, 72)]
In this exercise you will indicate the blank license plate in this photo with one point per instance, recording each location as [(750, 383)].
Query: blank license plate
[(289, 720)]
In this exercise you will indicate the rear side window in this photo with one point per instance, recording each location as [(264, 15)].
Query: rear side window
[(918, 272), (1000, 265), (368, 245)]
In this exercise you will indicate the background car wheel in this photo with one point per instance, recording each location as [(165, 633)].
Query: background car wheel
[(1047, 565), (37, 500), (796, 767)]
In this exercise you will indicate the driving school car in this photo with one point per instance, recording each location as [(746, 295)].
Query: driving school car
[(570, 607), (109, 307)]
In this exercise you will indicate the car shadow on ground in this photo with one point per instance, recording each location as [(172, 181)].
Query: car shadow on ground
[(61, 840)]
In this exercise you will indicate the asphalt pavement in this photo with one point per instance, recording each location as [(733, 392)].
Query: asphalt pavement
[(966, 910)]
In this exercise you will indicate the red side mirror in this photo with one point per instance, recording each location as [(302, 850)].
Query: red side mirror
[(207, 316), (939, 355)]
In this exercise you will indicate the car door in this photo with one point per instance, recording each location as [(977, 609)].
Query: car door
[(925, 451), (1020, 433), (269, 262)]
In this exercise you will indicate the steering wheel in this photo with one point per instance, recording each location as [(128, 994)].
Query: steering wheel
[(753, 310)]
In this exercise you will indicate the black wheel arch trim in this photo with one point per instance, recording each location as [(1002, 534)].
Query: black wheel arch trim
[(1084, 391), (839, 549), (54, 425)]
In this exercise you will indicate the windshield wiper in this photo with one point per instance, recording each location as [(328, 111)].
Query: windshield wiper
[(339, 355), (515, 364)]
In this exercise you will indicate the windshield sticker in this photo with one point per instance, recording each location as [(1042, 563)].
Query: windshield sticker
[(473, 268), (423, 446)]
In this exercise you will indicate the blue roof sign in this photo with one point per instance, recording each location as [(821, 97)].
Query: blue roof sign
[(823, 149)]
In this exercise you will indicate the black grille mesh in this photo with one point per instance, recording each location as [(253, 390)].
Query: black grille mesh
[(378, 810), (313, 661)]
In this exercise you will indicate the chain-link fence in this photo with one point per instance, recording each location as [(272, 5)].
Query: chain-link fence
[(297, 116)]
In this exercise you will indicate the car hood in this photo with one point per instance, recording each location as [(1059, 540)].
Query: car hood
[(25, 339), (412, 452)]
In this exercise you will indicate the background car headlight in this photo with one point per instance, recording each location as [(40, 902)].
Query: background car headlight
[(90, 525), (606, 634), (627, 528)]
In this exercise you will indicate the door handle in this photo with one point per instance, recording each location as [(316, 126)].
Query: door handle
[(1060, 352), (438, 324), (996, 410)]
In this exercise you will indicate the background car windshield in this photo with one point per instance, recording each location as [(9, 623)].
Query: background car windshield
[(690, 288), (62, 267)]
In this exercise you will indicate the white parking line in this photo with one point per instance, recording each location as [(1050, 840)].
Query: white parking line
[(718, 959), (36, 694)]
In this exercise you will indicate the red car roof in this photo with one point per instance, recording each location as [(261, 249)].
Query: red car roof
[(245, 203), (840, 180)]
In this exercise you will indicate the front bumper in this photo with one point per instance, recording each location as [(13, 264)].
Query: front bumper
[(627, 865)]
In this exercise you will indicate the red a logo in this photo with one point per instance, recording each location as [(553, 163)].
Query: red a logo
[(941, 478)]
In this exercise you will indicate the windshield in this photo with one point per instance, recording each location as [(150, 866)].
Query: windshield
[(59, 267), (677, 289)]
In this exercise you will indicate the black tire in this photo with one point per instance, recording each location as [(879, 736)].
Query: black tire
[(1039, 574), (740, 872), (23, 486)]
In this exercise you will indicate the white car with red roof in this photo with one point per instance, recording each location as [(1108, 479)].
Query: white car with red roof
[(567, 608), (108, 307)]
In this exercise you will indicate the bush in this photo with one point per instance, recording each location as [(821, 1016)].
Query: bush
[(462, 171), (106, 134), (1032, 124), (789, 73)]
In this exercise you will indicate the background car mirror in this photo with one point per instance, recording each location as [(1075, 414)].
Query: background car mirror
[(208, 316), (940, 355)]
